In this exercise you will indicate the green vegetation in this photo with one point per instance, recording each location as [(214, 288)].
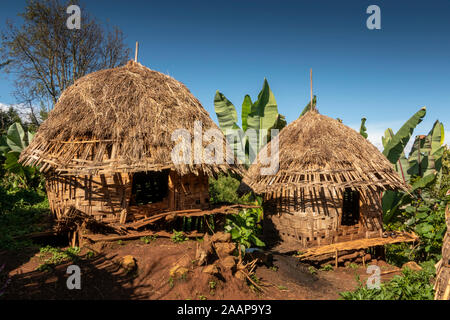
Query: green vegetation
[(245, 227), (353, 266), (212, 287), (362, 128), (224, 189), (52, 257), (412, 285), (11, 145), (308, 106), (148, 239), (327, 267), (312, 270), (258, 117), (426, 217), (421, 169), (178, 236), (21, 212)]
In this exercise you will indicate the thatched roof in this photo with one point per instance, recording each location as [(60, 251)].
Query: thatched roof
[(316, 151), (120, 120)]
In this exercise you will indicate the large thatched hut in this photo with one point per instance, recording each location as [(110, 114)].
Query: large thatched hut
[(106, 147), (328, 185)]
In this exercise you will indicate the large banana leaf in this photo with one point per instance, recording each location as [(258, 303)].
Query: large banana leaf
[(227, 116), (15, 138), (395, 146), (264, 115), (246, 109), (426, 154), (258, 119), (281, 122), (402, 165), (392, 201), (308, 106), (226, 112)]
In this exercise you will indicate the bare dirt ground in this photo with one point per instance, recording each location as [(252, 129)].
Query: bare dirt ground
[(102, 276)]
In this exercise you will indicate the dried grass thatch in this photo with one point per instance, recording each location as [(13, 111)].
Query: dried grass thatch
[(316, 151), (120, 120)]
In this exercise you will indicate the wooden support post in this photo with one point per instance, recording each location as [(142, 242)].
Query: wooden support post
[(74, 239), (310, 77), (336, 258), (136, 52)]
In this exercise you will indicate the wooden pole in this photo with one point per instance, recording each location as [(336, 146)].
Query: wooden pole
[(136, 52), (310, 78), (336, 262)]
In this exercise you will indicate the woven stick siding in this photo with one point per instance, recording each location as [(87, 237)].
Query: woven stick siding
[(101, 196), (108, 197), (303, 219)]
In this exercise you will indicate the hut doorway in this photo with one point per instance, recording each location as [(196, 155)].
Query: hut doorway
[(150, 187), (350, 207)]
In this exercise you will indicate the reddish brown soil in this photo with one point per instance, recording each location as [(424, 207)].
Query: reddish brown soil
[(103, 278)]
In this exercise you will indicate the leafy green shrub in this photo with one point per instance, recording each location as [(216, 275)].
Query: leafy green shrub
[(245, 227), (11, 145), (224, 189), (426, 217), (411, 285), (178, 236), (21, 212)]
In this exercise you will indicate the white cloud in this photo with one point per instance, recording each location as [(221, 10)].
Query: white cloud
[(3, 107), (21, 109)]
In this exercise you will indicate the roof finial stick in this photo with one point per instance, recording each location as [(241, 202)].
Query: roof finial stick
[(310, 77), (136, 52)]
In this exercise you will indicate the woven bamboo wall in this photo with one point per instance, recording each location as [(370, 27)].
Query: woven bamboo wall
[(303, 219), (107, 197)]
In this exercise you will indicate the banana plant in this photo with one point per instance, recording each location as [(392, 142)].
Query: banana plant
[(402, 165), (395, 146), (427, 151), (11, 145), (421, 167), (308, 106), (392, 201), (363, 129), (260, 116)]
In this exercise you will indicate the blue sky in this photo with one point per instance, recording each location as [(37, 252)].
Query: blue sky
[(384, 75)]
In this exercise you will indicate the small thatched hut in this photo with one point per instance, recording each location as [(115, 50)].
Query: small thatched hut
[(106, 146), (328, 187)]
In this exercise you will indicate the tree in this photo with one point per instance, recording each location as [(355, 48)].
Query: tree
[(4, 64), (48, 57), (7, 118)]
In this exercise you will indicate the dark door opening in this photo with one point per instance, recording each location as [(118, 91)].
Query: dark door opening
[(150, 187), (350, 207)]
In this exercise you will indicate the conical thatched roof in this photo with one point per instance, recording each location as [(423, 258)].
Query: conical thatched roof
[(120, 120), (316, 151)]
